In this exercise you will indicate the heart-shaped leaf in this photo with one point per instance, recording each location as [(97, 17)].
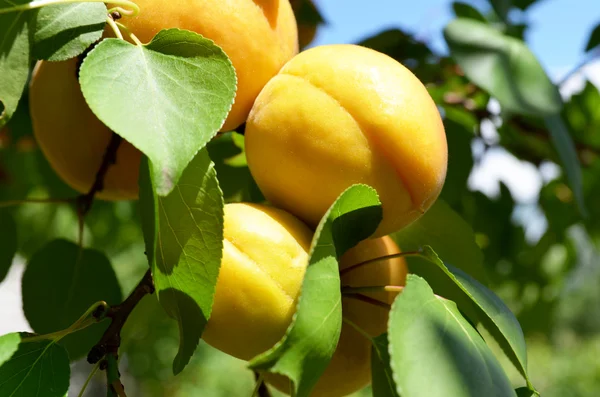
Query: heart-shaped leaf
[(63, 31), (435, 352), (61, 281), (168, 98), (305, 351), (184, 242), (29, 369)]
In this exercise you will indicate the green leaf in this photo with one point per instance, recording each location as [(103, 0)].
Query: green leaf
[(561, 139), (9, 344), (64, 31), (449, 234), (310, 341), (435, 352), (501, 7), (32, 368), (382, 376), (61, 281), (14, 58), (525, 392), (184, 242), (594, 39), (503, 66), (168, 97), (479, 304), (8, 242), (465, 10)]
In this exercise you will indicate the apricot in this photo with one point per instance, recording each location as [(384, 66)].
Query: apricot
[(71, 136), (258, 36), (337, 115), (265, 254)]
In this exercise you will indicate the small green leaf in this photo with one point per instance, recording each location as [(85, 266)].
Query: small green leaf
[(63, 31), (478, 303), (594, 39), (61, 281), (14, 58), (381, 372), (561, 139), (449, 234), (465, 10), (8, 242), (168, 97), (184, 242), (435, 352), (310, 341), (503, 66), (32, 368)]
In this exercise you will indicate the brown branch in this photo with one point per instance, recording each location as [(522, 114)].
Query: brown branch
[(368, 299), (111, 340)]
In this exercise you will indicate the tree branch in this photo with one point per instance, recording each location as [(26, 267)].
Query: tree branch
[(111, 340)]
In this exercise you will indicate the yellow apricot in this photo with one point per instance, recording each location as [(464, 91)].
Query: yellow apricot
[(350, 366), (72, 138), (265, 254), (258, 36), (337, 115)]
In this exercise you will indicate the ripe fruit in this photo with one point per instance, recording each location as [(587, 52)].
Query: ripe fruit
[(259, 37), (265, 255), (72, 138), (342, 114)]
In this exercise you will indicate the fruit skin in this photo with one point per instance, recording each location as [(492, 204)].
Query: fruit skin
[(350, 366), (72, 138), (337, 115), (265, 254), (259, 36)]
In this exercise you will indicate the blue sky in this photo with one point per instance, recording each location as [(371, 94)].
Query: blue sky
[(558, 34)]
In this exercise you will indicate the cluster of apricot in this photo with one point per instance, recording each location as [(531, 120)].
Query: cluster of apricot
[(316, 123)]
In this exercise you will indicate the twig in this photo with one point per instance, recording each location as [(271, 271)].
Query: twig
[(111, 340), (368, 299), (85, 201)]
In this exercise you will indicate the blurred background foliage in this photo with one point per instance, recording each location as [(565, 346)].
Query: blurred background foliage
[(550, 280)]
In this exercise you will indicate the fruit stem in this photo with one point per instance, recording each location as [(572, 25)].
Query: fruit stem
[(357, 328), (378, 288), (129, 33), (134, 8), (89, 378), (368, 299), (381, 258), (83, 322), (115, 28)]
